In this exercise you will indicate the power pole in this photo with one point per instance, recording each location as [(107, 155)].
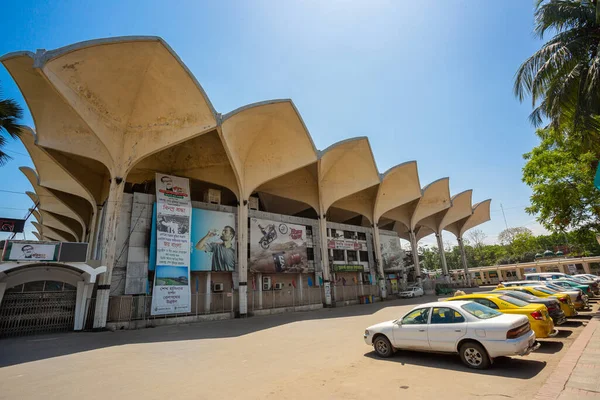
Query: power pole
[(505, 223)]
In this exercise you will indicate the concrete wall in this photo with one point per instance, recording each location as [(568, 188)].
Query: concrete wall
[(118, 282)]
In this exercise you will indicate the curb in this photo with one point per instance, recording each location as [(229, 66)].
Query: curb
[(556, 382)]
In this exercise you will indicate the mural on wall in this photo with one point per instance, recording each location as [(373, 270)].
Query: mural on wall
[(391, 253), (213, 241), (277, 247)]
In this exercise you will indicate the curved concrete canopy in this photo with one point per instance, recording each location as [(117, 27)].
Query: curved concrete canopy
[(346, 168), (299, 185), (399, 185), (361, 203), (55, 233), (202, 158), (52, 175), (435, 198), (481, 214), (59, 223), (460, 208), (49, 201), (37, 236), (265, 141), (113, 100)]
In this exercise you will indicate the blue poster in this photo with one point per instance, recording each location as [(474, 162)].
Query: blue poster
[(213, 241)]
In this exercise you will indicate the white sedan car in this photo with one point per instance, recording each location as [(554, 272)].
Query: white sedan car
[(476, 332), (412, 292)]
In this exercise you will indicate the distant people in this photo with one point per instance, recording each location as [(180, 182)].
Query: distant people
[(223, 254)]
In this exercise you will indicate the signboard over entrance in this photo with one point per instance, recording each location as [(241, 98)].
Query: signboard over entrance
[(30, 251)]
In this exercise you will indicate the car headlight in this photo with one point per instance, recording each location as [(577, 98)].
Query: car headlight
[(367, 332)]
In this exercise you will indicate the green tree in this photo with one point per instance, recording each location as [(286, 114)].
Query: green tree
[(563, 77), (561, 175), (10, 114), (507, 236)]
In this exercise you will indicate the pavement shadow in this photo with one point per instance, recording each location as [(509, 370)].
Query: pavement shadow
[(563, 334), (32, 348), (507, 367), (582, 317), (550, 347), (572, 324)]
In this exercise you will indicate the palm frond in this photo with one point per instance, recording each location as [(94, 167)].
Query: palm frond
[(561, 15)]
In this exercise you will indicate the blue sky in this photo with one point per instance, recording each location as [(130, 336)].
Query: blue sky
[(425, 80)]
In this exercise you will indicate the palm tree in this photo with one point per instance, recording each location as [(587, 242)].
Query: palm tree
[(10, 114), (563, 77)]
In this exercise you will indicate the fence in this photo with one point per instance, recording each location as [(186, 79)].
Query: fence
[(287, 297)]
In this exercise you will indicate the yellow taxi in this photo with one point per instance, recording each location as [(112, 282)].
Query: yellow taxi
[(566, 305), (538, 316)]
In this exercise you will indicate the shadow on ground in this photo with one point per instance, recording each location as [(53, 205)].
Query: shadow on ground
[(548, 347), (503, 366), (32, 348), (563, 334), (572, 324)]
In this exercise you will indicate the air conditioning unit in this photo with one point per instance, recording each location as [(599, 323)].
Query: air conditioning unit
[(278, 286), (253, 203), (212, 196), (217, 287), (266, 283)]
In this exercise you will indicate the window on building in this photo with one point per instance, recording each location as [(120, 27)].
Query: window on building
[(309, 230), (338, 255), (349, 234), (332, 232), (362, 236), (364, 256), (352, 255), (310, 253)]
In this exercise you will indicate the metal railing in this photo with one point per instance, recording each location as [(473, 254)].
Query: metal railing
[(287, 297)]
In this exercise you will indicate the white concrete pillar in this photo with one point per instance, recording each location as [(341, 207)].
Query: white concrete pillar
[(2, 290), (260, 291), (562, 269), (440, 242), (415, 255), (379, 262), (300, 288), (325, 259), (109, 249), (83, 293), (243, 256), (207, 292), (519, 273), (463, 256), (91, 235), (586, 268)]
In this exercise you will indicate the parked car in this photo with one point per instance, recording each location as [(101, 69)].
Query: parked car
[(455, 327), (578, 299), (566, 304), (569, 284), (552, 304), (538, 316), (586, 285), (415, 291)]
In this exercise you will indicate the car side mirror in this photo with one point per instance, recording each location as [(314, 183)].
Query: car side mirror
[(398, 322)]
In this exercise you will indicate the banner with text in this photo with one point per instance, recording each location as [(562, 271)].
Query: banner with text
[(391, 253), (171, 293), (277, 247)]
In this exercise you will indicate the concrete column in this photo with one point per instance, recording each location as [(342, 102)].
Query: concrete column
[(2, 290), (415, 254), (379, 262), (207, 292), (519, 274), (260, 290), (325, 260), (562, 269), (83, 292), (586, 268), (440, 242), (109, 249), (243, 256), (463, 257), (300, 288)]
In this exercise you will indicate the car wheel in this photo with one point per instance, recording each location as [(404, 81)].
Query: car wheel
[(474, 356), (383, 347)]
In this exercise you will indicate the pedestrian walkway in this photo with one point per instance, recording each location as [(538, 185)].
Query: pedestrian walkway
[(578, 373)]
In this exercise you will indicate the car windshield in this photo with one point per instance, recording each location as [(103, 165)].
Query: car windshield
[(554, 288), (513, 301), (480, 311), (545, 290), (521, 295)]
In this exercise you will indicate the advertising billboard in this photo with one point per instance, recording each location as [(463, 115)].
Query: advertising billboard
[(171, 293), (31, 251), (277, 247), (213, 241), (391, 253)]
